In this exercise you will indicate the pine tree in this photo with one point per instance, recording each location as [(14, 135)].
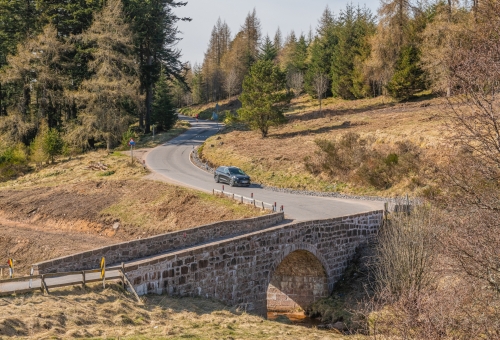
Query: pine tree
[(251, 30), (163, 114), (264, 97), (114, 82), (267, 50), (408, 77), (278, 40), (392, 35), (68, 17), (17, 23), (36, 79), (354, 27), (155, 34)]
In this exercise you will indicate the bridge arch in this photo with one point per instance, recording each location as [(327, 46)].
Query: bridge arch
[(297, 278)]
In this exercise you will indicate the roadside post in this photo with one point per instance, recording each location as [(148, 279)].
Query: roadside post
[(10, 262), (131, 142), (103, 272), (153, 126), (31, 279)]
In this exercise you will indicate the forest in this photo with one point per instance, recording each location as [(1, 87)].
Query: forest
[(400, 52), (74, 74)]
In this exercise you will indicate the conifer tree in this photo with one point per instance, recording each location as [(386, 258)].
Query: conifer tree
[(408, 77), (35, 76), (114, 82), (17, 23), (278, 40), (354, 27), (155, 34), (163, 114), (268, 50), (251, 30), (321, 51), (264, 97)]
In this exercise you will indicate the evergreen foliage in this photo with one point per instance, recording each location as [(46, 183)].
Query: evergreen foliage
[(264, 97), (408, 77), (163, 114), (268, 51), (155, 35), (52, 144), (353, 28)]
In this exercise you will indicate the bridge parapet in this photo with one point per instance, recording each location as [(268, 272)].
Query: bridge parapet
[(136, 249)]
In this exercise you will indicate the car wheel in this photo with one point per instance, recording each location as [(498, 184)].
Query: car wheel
[(231, 183), (216, 179)]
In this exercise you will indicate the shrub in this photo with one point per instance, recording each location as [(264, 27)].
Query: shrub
[(354, 159), (13, 161), (126, 137), (52, 144)]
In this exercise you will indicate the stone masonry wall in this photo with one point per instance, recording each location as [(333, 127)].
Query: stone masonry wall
[(298, 281), (131, 250), (238, 270)]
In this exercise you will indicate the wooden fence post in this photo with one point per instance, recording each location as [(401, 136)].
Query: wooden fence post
[(83, 278)]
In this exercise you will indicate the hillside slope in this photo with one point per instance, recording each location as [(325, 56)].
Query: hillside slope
[(370, 146)]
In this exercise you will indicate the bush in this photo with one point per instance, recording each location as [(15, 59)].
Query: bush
[(127, 136), (52, 144), (13, 161), (353, 159)]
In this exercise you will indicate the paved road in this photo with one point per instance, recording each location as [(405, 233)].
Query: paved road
[(171, 161)]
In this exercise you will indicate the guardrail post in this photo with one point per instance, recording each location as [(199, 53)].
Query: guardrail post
[(44, 285), (123, 275)]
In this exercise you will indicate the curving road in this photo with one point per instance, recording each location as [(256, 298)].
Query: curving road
[(172, 163)]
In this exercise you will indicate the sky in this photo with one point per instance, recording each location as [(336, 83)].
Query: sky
[(297, 15)]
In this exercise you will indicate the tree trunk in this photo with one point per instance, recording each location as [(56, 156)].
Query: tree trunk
[(149, 98), (141, 112), (320, 104)]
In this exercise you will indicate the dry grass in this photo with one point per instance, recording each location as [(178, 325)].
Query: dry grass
[(65, 208), (112, 313), (279, 159)]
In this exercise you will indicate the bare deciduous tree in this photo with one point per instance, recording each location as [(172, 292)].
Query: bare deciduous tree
[(320, 84), (230, 82), (295, 81), (475, 168)]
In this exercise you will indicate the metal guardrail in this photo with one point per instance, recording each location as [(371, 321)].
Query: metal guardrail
[(44, 282), (249, 200)]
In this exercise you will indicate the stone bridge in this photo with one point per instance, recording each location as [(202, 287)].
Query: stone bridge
[(278, 268), (259, 264)]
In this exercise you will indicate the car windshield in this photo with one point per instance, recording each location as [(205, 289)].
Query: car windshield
[(236, 171)]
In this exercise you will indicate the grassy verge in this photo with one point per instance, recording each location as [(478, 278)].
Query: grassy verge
[(112, 313)]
